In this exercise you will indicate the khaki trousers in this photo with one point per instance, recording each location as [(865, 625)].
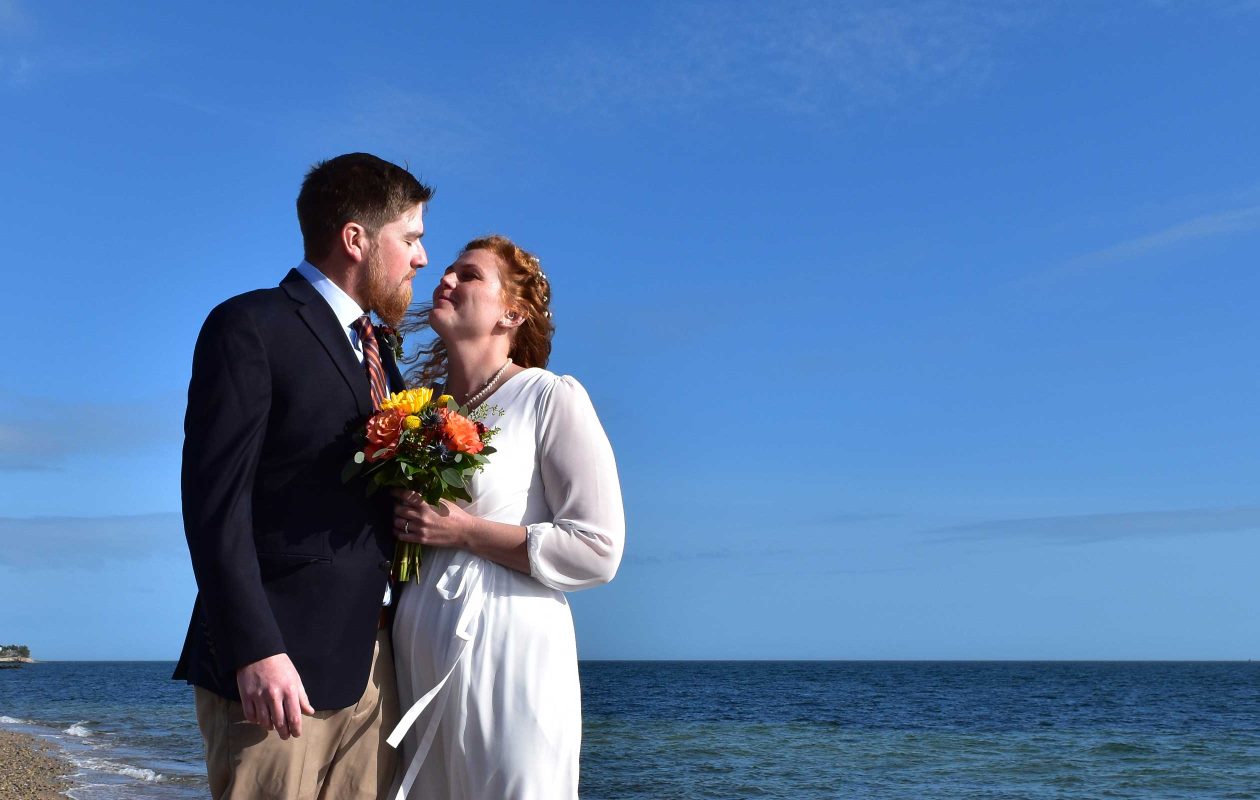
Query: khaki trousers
[(341, 755)]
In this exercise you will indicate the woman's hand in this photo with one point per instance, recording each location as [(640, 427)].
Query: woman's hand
[(446, 525), (449, 525)]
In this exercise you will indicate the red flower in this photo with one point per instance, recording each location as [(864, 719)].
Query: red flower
[(459, 433), (384, 430)]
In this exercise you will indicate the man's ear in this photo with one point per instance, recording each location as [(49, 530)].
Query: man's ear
[(353, 241)]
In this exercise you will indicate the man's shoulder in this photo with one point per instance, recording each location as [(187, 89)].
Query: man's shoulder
[(259, 309), (255, 302)]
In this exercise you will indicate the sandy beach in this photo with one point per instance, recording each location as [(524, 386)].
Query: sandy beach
[(29, 770)]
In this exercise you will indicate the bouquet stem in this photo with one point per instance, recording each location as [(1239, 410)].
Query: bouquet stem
[(407, 561)]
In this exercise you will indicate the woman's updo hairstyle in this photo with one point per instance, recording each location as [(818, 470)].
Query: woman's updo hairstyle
[(525, 289)]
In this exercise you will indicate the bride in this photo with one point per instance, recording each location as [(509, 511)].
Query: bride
[(484, 643)]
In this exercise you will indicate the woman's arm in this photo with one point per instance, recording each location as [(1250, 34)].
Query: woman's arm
[(448, 525), (581, 546)]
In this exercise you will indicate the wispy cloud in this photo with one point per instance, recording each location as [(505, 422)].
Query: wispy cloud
[(15, 70), (404, 126), (764, 561), (15, 24), (799, 56), (34, 434), (709, 555), (1208, 226), (54, 542), (28, 55), (1088, 528), (14, 18)]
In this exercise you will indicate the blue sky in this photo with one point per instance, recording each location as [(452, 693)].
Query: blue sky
[(920, 329)]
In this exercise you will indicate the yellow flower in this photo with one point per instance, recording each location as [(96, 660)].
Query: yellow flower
[(411, 401), (412, 422), (444, 399)]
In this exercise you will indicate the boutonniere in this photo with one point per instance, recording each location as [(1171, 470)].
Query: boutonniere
[(392, 339)]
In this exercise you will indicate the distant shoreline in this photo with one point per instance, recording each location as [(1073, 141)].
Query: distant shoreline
[(30, 769)]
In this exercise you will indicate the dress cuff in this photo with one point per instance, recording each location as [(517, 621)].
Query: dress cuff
[(533, 544)]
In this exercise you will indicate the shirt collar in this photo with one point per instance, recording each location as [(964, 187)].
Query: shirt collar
[(342, 304)]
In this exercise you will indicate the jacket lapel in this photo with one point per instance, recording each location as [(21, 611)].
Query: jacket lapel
[(319, 317)]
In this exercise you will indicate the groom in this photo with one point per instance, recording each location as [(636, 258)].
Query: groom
[(287, 646)]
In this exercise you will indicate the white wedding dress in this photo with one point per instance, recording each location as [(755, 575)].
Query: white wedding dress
[(485, 655)]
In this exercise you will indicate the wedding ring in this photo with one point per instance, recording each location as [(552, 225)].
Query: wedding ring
[(407, 528)]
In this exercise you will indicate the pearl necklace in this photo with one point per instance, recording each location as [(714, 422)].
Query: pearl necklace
[(485, 390)]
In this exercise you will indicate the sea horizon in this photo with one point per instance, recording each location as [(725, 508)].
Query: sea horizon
[(800, 728)]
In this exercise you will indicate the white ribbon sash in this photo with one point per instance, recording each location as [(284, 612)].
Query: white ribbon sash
[(465, 574)]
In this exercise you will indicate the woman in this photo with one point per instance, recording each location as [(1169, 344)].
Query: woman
[(484, 644)]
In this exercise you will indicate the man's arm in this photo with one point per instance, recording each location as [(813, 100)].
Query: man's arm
[(229, 401)]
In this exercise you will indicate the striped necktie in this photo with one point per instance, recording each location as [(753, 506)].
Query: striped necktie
[(372, 360)]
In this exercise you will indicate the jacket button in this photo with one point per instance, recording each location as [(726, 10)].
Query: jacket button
[(385, 565)]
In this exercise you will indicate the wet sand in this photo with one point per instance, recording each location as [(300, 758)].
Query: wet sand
[(30, 769)]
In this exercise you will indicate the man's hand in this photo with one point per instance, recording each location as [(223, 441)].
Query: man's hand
[(272, 695)]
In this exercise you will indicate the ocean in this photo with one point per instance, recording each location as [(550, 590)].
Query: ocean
[(756, 729)]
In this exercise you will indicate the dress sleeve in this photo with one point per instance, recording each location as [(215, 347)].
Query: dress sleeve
[(581, 546)]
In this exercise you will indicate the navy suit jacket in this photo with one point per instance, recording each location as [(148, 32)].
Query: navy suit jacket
[(288, 559)]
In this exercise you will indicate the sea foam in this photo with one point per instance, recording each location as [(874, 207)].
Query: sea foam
[(78, 729), (117, 768), (13, 721)]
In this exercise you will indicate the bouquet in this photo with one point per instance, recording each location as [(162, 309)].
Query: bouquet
[(429, 446)]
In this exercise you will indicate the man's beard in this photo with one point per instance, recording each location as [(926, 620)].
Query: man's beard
[(389, 302)]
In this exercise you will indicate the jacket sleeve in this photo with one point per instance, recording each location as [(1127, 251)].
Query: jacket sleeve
[(229, 399), (582, 545)]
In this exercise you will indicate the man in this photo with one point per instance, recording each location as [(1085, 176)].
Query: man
[(291, 564)]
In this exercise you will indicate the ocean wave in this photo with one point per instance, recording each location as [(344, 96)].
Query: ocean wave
[(118, 768), (140, 773), (13, 721), (79, 729)]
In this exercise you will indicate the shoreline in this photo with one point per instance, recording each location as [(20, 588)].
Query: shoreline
[(30, 769)]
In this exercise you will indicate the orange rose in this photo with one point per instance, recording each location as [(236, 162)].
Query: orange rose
[(459, 433), (383, 431)]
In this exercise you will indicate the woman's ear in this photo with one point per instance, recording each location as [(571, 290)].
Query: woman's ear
[(512, 318)]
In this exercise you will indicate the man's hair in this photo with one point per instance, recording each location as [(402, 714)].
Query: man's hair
[(355, 187)]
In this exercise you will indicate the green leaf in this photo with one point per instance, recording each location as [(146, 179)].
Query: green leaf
[(349, 472), (452, 477), (359, 457), (460, 494), (433, 493)]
